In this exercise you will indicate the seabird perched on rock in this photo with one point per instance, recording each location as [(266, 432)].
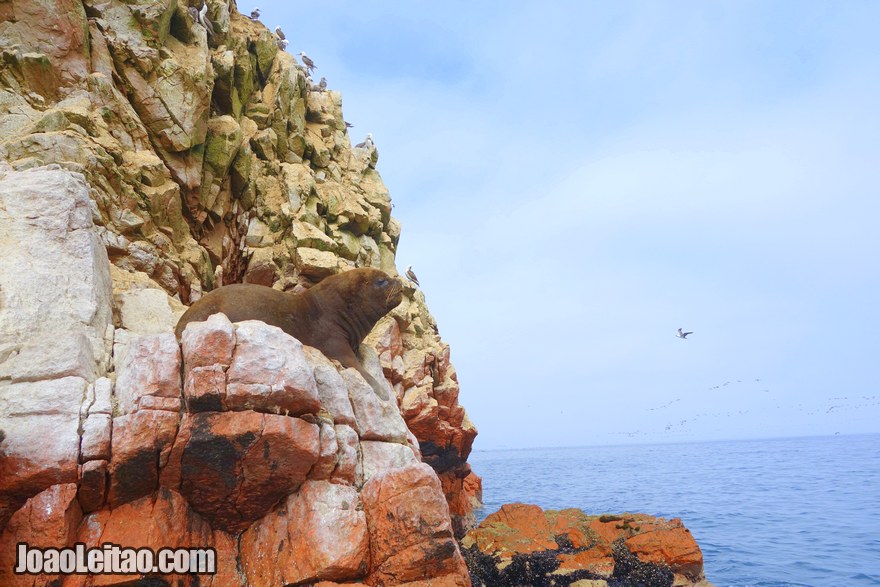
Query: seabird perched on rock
[(205, 21), (255, 14), (322, 85), (367, 144), (310, 65), (279, 33), (683, 335), (412, 276), (194, 13), (282, 44)]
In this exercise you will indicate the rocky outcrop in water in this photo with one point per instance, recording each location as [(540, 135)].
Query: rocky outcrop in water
[(522, 545)]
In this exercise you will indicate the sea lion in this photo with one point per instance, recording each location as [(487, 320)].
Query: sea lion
[(333, 316)]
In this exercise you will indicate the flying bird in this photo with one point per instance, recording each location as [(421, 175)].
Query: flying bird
[(310, 65), (683, 335), (367, 144), (409, 272), (255, 14), (348, 124), (279, 33)]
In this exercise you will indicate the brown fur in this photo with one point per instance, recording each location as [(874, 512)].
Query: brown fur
[(333, 316)]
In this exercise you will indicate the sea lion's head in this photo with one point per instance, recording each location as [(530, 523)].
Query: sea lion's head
[(380, 290), (372, 292)]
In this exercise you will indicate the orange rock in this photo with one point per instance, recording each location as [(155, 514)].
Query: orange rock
[(209, 343), (205, 389), (163, 519), (671, 544), (235, 466), (472, 486), (516, 528), (608, 528), (40, 449), (141, 441), (601, 545), (318, 533), (92, 485), (596, 560), (410, 531), (571, 523), (49, 519)]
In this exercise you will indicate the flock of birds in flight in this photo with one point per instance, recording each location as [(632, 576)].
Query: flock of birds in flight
[(201, 17), (840, 403)]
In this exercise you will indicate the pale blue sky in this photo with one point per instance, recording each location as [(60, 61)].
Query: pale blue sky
[(576, 180)]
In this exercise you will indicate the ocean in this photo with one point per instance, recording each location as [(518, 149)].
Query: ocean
[(766, 513)]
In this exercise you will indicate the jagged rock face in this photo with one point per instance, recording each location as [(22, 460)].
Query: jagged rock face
[(188, 162), (241, 454), (521, 544), (131, 138)]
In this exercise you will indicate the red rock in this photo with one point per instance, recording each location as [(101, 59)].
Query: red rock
[(159, 520), (269, 372), (572, 523), (92, 485), (33, 459), (588, 541), (205, 389), (462, 501), (235, 466), (49, 519), (410, 531), (141, 443), (596, 560), (209, 343), (610, 528), (167, 404), (318, 533), (671, 544), (515, 528), (472, 486)]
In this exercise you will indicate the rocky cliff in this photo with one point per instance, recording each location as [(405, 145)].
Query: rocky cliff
[(143, 162)]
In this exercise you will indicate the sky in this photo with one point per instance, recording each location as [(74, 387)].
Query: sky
[(577, 180)]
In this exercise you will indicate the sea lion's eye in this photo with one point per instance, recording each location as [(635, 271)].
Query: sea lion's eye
[(381, 281)]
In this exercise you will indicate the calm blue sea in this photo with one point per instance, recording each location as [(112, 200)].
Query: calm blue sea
[(766, 513)]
